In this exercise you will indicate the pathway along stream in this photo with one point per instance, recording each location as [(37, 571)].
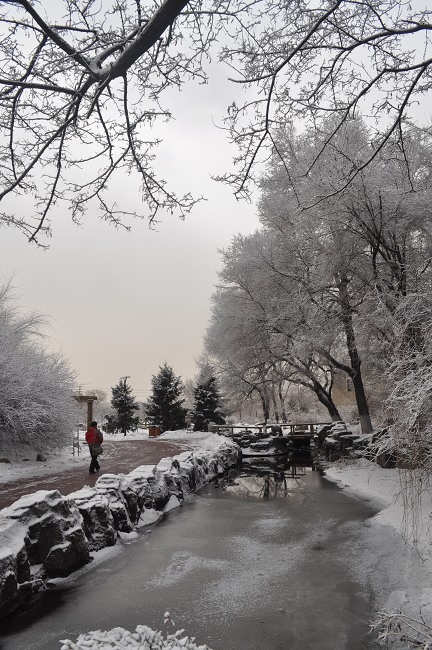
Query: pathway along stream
[(279, 560)]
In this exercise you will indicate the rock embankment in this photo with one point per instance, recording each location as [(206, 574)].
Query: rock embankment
[(46, 535), (335, 441)]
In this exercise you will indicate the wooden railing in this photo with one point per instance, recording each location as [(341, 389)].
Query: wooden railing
[(290, 429)]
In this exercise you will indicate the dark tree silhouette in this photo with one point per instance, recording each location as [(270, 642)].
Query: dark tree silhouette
[(165, 405), (125, 405), (207, 401)]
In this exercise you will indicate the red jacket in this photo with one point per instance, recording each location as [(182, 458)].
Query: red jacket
[(93, 436)]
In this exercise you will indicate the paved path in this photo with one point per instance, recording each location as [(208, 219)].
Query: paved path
[(118, 458)]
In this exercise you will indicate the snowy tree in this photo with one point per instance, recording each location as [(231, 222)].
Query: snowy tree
[(309, 61), (165, 405), (188, 394), (125, 404), (304, 291), (260, 329), (408, 404), (352, 244), (207, 400), (36, 386), (102, 405), (238, 349), (84, 84)]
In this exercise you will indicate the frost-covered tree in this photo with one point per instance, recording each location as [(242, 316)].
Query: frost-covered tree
[(102, 405), (165, 405), (262, 326), (84, 83), (188, 394), (304, 292), (36, 386), (408, 404), (207, 405), (353, 246), (125, 404)]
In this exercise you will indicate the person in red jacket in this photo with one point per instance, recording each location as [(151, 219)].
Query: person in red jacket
[(93, 437)]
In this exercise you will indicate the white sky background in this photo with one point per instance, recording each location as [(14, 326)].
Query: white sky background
[(121, 303)]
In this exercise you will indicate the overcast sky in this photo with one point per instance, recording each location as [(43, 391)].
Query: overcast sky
[(121, 303)]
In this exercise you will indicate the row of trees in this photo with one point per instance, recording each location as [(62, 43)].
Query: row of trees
[(338, 279), (37, 387), (165, 406)]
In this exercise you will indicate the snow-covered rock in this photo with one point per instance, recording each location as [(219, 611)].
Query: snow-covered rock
[(54, 536), (172, 503), (98, 522), (148, 516), (139, 495), (47, 535), (167, 470), (186, 470), (41, 537), (9, 580), (114, 487), (159, 489)]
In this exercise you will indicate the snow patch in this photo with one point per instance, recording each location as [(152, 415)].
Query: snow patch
[(148, 516), (144, 638), (172, 503)]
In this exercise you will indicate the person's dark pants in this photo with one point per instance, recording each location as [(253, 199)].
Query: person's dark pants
[(94, 465)]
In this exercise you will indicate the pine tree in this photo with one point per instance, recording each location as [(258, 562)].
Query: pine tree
[(165, 406), (207, 401), (125, 405)]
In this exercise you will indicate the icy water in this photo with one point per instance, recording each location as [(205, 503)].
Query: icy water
[(281, 559)]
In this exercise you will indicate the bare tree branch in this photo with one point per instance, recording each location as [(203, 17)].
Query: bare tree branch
[(63, 77)]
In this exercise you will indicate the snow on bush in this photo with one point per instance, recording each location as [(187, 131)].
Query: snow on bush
[(35, 386), (143, 638)]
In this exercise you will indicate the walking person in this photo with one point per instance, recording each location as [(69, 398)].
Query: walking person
[(94, 437)]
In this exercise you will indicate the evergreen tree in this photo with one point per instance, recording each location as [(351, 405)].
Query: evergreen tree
[(125, 405), (207, 401), (110, 424), (165, 406)]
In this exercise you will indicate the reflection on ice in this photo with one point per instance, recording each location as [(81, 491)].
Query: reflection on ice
[(266, 477)]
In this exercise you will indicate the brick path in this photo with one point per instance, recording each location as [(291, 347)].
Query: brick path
[(118, 458)]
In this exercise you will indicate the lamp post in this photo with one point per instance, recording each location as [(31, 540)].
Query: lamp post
[(88, 399), (124, 380)]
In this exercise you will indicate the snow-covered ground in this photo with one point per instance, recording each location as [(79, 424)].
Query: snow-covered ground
[(23, 463), (364, 478), (411, 608)]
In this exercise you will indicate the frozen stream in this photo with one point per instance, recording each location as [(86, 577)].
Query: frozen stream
[(300, 569)]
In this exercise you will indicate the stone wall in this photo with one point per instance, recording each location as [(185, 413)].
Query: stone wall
[(336, 441), (46, 535)]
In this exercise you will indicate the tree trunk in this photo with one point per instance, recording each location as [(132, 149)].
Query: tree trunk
[(275, 404), (282, 404), (323, 395), (356, 376), (325, 398), (265, 404), (150, 34)]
